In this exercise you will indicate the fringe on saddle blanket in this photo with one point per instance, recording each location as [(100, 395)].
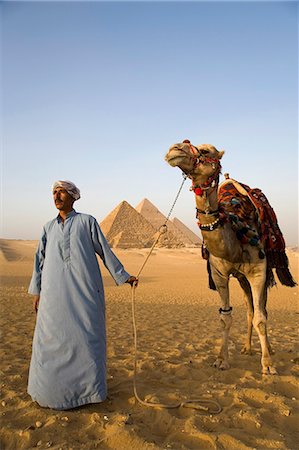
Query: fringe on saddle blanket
[(244, 207)]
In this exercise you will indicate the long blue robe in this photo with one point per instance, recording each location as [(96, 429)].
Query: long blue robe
[(68, 363)]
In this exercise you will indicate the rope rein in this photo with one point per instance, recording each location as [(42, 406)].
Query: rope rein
[(163, 228), (206, 406)]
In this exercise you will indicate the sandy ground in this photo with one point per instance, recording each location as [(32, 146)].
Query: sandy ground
[(179, 335)]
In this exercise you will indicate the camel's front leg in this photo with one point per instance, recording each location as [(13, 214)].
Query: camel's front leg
[(226, 321), (221, 283), (257, 281)]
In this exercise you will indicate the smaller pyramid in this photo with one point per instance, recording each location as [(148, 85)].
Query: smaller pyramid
[(172, 238), (191, 239), (179, 234), (124, 227)]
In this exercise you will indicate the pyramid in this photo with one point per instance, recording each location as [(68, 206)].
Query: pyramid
[(124, 227), (191, 238), (178, 233), (149, 211)]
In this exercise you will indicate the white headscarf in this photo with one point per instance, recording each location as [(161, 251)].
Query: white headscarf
[(70, 187)]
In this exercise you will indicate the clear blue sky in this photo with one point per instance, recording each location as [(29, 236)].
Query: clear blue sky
[(96, 92)]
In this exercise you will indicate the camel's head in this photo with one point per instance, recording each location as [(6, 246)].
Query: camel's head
[(198, 162)]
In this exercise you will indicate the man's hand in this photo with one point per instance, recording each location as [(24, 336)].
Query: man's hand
[(35, 303), (133, 281)]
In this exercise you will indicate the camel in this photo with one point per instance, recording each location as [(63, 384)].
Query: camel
[(228, 255)]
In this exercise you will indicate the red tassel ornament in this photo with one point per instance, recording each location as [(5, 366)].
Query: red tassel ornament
[(198, 191)]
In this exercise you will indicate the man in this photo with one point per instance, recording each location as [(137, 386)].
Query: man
[(68, 364)]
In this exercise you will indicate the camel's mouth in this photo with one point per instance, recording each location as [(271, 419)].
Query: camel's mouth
[(174, 157), (174, 161)]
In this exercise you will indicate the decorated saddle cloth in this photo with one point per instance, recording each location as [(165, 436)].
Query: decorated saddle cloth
[(246, 208), (255, 223)]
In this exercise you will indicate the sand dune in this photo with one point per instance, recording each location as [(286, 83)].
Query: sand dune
[(179, 335)]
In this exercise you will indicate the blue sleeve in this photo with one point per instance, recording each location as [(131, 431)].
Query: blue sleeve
[(35, 283), (111, 262)]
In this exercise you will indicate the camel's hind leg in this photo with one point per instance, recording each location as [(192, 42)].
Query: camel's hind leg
[(264, 304), (245, 285), (257, 279), (221, 283)]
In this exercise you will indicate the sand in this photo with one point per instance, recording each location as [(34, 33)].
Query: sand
[(179, 335)]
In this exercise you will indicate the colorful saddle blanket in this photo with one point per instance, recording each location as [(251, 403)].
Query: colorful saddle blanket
[(255, 223), (244, 208)]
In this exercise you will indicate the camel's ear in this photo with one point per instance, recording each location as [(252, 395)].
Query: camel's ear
[(220, 154)]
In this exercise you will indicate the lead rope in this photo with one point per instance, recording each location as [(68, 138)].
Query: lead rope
[(205, 405)]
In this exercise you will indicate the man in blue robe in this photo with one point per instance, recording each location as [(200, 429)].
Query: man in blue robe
[(68, 363)]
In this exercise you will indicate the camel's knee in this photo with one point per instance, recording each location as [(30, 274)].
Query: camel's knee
[(261, 328), (225, 323), (225, 319), (260, 324)]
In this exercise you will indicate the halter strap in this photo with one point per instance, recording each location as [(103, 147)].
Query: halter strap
[(212, 181), (192, 147), (200, 158)]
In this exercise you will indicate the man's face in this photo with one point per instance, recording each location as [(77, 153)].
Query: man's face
[(63, 200)]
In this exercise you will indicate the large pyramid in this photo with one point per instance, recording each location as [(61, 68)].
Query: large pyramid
[(170, 239), (151, 213), (177, 231), (124, 227)]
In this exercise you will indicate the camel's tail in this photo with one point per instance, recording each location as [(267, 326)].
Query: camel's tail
[(285, 277), (278, 260)]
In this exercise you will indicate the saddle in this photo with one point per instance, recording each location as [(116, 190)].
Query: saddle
[(255, 223)]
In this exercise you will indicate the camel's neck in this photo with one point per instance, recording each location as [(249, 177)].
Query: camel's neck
[(207, 209), (220, 239), (207, 203)]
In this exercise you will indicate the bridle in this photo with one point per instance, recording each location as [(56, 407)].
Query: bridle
[(199, 157), (195, 159)]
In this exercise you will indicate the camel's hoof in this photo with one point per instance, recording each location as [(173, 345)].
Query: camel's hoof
[(246, 350), (221, 364), (270, 370)]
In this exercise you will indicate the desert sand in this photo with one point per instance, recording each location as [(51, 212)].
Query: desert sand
[(178, 337)]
